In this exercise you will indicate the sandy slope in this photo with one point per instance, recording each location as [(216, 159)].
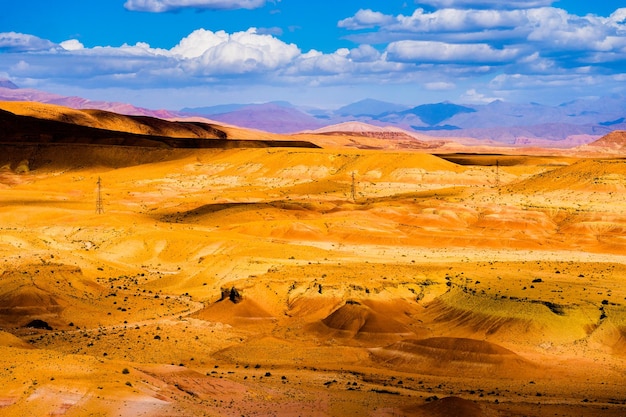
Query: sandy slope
[(269, 282), (111, 121)]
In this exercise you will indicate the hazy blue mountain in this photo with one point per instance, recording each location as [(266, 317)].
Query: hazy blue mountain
[(227, 108), (270, 117), (210, 110), (8, 84), (549, 132), (613, 122), (433, 114), (499, 121), (369, 107)]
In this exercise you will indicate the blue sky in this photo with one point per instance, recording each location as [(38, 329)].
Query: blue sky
[(187, 53)]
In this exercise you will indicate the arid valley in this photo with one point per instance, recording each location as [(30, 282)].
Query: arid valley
[(145, 273)]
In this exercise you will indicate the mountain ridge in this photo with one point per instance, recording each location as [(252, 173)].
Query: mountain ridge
[(37, 124), (569, 124), (48, 124)]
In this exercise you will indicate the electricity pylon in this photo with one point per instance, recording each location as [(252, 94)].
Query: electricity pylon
[(99, 205), (353, 188)]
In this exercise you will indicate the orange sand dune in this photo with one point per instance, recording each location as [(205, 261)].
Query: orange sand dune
[(234, 310), (355, 320), (449, 354)]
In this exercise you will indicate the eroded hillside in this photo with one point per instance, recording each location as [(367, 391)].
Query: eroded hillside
[(256, 279), (310, 281)]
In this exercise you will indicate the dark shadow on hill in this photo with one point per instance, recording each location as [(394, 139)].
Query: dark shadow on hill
[(15, 129), (208, 210)]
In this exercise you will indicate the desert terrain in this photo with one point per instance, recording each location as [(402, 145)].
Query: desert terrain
[(307, 277)]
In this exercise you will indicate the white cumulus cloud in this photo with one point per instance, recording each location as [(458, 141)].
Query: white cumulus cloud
[(364, 53), (458, 20), (556, 29), (317, 63), (198, 58), (533, 37), (208, 52), (365, 18), (431, 51), (72, 45), (20, 42)]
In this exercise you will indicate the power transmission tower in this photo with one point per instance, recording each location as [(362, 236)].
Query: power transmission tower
[(353, 188), (498, 176), (497, 173), (99, 205)]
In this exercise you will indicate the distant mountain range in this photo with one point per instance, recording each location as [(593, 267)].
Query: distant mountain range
[(532, 124), (511, 124), (29, 122)]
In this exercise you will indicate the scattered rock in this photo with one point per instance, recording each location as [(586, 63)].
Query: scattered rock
[(38, 324), (231, 294), (23, 167)]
